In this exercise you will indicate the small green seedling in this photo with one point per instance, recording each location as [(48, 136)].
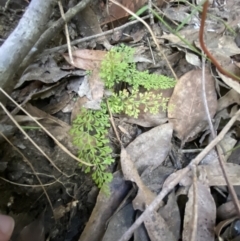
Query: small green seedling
[(90, 128)]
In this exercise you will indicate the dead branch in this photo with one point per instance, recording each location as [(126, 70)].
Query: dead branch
[(21, 40)]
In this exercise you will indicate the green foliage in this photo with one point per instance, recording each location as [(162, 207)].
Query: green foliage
[(90, 129), (127, 103), (118, 66)]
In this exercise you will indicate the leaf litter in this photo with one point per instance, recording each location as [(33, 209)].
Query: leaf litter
[(146, 163)]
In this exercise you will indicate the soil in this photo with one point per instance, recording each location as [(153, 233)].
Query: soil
[(21, 195)]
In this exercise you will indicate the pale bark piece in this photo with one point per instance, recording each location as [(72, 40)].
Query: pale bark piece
[(206, 214), (188, 113), (105, 206), (151, 148)]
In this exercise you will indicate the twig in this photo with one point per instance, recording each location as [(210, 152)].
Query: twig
[(154, 62), (181, 173), (78, 41), (150, 12), (6, 5), (38, 123), (30, 139), (191, 150), (66, 32), (213, 134), (55, 28), (20, 42), (164, 14), (113, 124), (28, 185), (195, 204)]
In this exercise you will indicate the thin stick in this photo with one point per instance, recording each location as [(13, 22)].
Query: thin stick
[(38, 123), (66, 32), (213, 134), (166, 189), (113, 124), (150, 12), (154, 62), (28, 185), (78, 41), (195, 204), (30, 139)]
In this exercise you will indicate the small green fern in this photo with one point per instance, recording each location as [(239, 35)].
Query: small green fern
[(118, 67), (90, 129)]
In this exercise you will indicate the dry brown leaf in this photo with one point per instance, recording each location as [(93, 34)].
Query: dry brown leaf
[(63, 100), (113, 12), (215, 176), (180, 14), (33, 231), (227, 210), (221, 46), (170, 213), (206, 214), (119, 223), (230, 82), (35, 112), (158, 229), (144, 196), (188, 113), (86, 59), (104, 209), (228, 99), (47, 72), (90, 60), (88, 25), (154, 177), (227, 233), (151, 147)]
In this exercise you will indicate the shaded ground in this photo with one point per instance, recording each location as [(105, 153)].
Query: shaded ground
[(156, 149)]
